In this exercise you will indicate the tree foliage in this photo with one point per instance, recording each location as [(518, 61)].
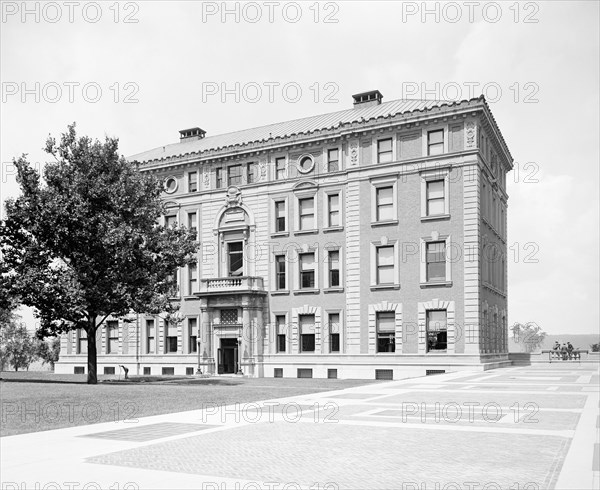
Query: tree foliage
[(82, 241), (529, 335), (48, 351), (17, 347)]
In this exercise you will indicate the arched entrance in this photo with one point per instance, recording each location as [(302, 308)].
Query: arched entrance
[(232, 303)]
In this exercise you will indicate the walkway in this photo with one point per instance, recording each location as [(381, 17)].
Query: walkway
[(532, 427)]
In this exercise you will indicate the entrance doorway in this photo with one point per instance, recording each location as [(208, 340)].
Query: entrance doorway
[(228, 356)]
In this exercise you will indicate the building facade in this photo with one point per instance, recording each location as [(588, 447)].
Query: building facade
[(365, 243)]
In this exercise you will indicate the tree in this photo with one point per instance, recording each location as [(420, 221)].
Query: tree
[(8, 302), (17, 347), (7, 318), (595, 347), (48, 352), (529, 335), (85, 244)]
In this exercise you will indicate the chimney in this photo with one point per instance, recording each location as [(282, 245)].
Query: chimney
[(367, 99), (191, 134)]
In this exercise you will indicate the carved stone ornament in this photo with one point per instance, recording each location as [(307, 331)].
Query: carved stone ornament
[(233, 197), (263, 170), (354, 153), (470, 135)]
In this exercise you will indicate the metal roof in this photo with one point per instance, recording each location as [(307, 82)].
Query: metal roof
[(290, 128)]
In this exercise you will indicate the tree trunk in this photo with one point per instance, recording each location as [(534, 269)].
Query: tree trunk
[(92, 377)]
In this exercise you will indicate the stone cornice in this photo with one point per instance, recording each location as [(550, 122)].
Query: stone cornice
[(342, 130)]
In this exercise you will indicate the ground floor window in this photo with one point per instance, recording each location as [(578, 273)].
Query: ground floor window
[(307, 333), (81, 341), (171, 344), (386, 331), (280, 326), (437, 330), (112, 344), (281, 342), (334, 335), (334, 342), (150, 344), (193, 338)]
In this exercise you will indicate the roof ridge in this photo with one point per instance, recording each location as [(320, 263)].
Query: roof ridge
[(328, 121), (314, 116)]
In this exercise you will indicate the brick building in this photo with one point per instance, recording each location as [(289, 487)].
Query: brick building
[(364, 243)]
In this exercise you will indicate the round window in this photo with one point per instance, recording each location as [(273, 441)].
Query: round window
[(171, 185), (306, 164)]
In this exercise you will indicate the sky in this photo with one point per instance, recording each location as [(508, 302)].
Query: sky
[(144, 70)]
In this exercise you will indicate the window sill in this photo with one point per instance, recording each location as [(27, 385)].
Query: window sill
[(384, 223), (433, 284), (385, 286), (333, 290), (190, 297), (280, 234), (306, 291), (333, 229), (306, 232), (435, 217), (280, 292), (434, 352)]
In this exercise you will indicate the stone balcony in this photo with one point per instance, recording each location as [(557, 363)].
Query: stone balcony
[(228, 285)]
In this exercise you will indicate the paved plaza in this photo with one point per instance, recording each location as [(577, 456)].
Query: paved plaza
[(531, 427)]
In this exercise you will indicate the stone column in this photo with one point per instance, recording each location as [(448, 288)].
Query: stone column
[(260, 332), (206, 344), (246, 346)]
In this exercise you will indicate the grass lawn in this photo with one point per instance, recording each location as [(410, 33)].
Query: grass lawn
[(37, 401)]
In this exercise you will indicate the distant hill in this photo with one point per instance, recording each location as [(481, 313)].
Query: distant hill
[(579, 341)]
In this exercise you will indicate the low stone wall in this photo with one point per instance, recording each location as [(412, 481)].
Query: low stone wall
[(526, 359)]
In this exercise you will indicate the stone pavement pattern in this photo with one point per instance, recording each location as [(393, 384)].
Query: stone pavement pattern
[(532, 427)]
